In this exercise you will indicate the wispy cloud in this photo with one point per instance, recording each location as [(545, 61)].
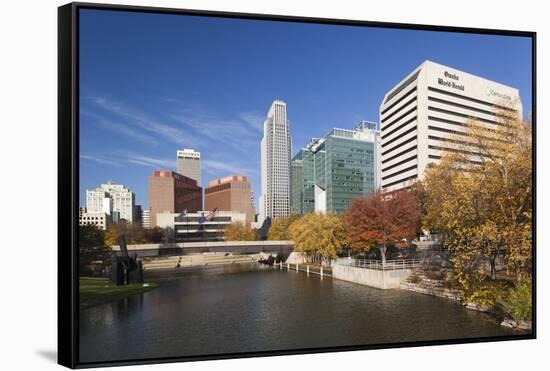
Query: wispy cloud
[(121, 128), (241, 131), (254, 120), (139, 159), (122, 158), (231, 132), (101, 160), (213, 166), (145, 122)]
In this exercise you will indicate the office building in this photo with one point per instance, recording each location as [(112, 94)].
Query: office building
[(302, 182), (276, 146), (171, 192), (138, 214), (100, 220), (333, 170), (231, 193), (189, 164), (109, 198), (421, 112), (146, 218), (199, 226)]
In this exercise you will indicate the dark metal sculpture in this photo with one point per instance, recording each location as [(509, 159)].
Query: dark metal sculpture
[(125, 270)]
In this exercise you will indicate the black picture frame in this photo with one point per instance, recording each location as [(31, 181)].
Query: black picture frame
[(68, 178)]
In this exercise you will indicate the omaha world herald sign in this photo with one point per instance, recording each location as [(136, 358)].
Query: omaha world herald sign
[(450, 81)]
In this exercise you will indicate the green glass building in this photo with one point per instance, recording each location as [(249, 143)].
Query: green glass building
[(302, 182), (331, 171)]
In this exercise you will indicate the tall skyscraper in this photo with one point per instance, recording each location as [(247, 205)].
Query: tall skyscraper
[(419, 114), (111, 198), (171, 192), (230, 193), (189, 164), (333, 170), (275, 162)]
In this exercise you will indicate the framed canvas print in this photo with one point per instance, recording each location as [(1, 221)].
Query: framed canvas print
[(239, 185)]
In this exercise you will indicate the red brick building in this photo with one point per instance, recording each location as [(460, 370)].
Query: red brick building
[(170, 192), (231, 193)]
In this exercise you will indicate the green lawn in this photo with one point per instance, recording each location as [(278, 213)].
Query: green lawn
[(94, 291)]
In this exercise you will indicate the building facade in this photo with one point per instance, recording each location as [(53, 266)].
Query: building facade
[(276, 147), (302, 182), (430, 104), (196, 227), (231, 193), (146, 218), (100, 220), (138, 215), (333, 170), (171, 192), (111, 198), (189, 164)]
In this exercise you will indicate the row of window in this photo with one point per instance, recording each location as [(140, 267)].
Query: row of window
[(400, 145), (386, 127), (384, 119), (400, 181), (401, 87), (400, 153), (413, 157), (455, 95), (435, 157), (414, 167), (458, 114), (412, 119)]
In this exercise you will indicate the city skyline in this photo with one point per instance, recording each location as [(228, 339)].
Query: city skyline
[(184, 98)]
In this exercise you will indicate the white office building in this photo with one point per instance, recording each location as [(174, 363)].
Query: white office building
[(146, 218), (111, 199), (189, 164), (100, 220), (423, 110), (276, 147)]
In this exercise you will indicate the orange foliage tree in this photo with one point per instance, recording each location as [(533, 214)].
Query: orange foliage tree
[(382, 220)]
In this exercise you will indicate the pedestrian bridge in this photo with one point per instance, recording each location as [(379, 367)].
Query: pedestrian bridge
[(182, 248)]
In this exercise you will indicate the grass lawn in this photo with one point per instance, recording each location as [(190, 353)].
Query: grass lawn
[(94, 291)]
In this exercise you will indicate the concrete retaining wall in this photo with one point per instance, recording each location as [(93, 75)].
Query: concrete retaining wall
[(371, 277), (296, 258)]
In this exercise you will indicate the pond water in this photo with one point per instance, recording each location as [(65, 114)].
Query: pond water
[(250, 308)]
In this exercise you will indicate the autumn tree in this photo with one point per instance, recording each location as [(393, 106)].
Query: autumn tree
[(381, 220), (239, 232), (91, 244), (480, 197), (134, 232), (318, 235), (278, 230)]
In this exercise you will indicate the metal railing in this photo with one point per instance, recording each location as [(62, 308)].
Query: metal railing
[(388, 265)]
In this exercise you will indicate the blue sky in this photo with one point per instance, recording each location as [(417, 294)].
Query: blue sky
[(154, 83)]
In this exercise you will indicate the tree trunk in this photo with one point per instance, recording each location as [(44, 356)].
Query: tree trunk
[(493, 263), (383, 250)]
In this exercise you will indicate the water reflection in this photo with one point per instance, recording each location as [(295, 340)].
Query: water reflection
[(252, 308)]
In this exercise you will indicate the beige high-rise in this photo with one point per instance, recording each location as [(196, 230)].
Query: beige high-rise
[(421, 113)]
